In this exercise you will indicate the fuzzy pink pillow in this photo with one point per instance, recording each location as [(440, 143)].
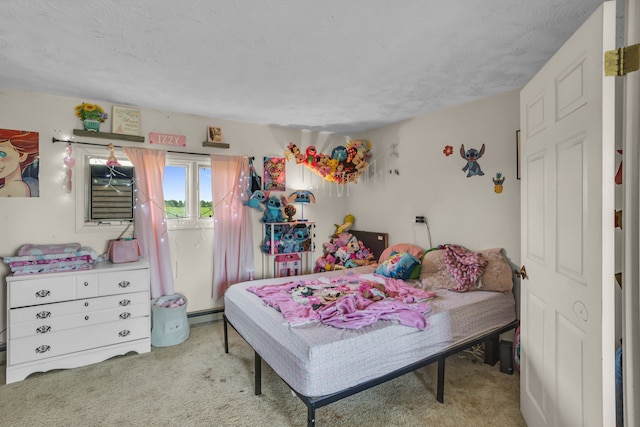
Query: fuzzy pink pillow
[(414, 250), (497, 276)]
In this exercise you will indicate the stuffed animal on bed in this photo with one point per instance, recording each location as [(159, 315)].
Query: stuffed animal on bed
[(374, 292)]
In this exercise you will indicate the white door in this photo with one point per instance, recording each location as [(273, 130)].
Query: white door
[(567, 231), (631, 226)]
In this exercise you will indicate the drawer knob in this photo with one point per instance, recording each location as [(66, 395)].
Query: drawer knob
[(43, 315), (86, 304), (43, 349), (124, 284), (86, 317), (125, 315), (125, 302), (43, 329), (43, 293), (86, 283), (123, 333)]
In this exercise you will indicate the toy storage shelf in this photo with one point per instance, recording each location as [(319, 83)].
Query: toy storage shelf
[(287, 259)]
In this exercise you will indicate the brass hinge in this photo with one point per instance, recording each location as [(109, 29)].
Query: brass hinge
[(624, 60)]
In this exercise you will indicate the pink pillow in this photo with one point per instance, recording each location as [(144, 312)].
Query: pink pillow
[(497, 276), (414, 250)]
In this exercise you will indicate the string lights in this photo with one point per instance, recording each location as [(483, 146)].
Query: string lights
[(143, 201)]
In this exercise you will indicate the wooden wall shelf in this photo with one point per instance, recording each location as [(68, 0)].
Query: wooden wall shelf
[(107, 135), (215, 144)]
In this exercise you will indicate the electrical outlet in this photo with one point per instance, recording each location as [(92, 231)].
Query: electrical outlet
[(420, 219)]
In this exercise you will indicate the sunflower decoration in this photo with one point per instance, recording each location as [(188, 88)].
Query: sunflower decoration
[(86, 111)]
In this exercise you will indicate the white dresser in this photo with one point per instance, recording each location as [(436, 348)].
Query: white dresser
[(66, 320)]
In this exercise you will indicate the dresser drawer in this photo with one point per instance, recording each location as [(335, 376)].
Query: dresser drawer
[(82, 306), (117, 282), (77, 316), (43, 346), (41, 291)]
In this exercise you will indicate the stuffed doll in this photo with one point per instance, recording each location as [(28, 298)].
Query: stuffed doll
[(346, 225), (255, 199), (273, 213), (374, 292), (289, 244)]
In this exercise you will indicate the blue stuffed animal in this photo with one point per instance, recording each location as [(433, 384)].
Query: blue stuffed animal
[(273, 213), (255, 199)]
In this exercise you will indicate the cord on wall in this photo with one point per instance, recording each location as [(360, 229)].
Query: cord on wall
[(426, 223)]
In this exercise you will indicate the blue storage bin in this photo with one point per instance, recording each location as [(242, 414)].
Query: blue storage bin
[(169, 325)]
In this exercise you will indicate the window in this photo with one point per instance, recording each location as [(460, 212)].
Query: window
[(106, 196), (111, 191), (187, 191)]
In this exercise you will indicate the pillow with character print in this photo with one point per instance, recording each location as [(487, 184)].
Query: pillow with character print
[(399, 265)]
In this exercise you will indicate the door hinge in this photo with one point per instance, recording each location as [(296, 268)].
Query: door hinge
[(624, 60)]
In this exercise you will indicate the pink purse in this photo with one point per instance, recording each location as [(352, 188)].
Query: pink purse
[(123, 250)]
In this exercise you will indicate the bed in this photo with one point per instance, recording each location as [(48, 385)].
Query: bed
[(313, 358)]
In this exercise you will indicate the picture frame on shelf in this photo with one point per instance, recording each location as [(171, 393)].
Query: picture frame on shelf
[(125, 120), (214, 134)]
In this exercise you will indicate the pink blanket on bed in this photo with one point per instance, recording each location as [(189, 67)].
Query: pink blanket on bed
[(349, 302)]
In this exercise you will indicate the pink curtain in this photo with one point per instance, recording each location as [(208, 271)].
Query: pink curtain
[(232, 232), (150, 217)]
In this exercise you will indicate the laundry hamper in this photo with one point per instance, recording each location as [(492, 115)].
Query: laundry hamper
[(169, 323)]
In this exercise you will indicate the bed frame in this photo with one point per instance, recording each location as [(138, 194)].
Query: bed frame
[(491, 341)]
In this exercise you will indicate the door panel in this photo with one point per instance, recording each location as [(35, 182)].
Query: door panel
[(567, 149)]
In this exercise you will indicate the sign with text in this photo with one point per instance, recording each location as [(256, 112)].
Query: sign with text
[(167, 139)]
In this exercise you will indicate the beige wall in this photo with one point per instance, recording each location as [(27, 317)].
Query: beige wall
[(460, 210)]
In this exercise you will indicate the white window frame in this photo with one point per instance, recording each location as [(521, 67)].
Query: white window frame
[(81, 185), (193, 163)]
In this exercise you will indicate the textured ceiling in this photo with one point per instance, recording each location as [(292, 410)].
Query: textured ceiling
[(334, 65)]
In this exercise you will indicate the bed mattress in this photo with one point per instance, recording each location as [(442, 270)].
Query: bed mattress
[(317, 360)]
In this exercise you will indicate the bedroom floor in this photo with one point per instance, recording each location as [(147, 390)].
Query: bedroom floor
[(197, 384)]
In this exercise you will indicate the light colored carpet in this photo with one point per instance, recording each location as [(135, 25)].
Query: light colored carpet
[(197, 384)]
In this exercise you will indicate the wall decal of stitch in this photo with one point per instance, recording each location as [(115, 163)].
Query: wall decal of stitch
[(471, 156), (497, 182)]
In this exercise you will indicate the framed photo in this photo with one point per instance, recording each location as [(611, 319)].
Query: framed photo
[(518, 168), (214, 134), (125, 120)]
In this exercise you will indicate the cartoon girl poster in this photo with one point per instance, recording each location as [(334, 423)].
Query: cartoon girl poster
[(274, 174), (19, 163)]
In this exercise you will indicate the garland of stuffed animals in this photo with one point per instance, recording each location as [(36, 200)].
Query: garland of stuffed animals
[(343, 165)]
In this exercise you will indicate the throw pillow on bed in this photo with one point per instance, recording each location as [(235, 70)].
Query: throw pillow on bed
[(399, 266), (434, 273), (414, 250), (497, 274)]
